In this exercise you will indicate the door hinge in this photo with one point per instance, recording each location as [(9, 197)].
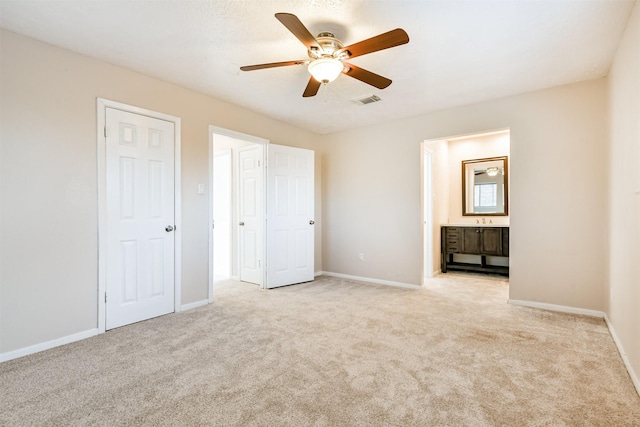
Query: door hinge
[(105, 297), (105, 131)]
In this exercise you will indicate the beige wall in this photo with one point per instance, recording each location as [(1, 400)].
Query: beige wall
[(372, 182), (49, 204), (369, 180), (623, 307)]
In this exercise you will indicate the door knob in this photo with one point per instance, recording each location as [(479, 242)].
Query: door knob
[(312, 222), (241, 224), (169, 228)]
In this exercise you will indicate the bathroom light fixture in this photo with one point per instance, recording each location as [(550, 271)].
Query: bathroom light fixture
[(492, 171), (325, 70)]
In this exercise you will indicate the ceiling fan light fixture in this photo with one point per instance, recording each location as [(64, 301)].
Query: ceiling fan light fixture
[(492, 171), (325, 70)]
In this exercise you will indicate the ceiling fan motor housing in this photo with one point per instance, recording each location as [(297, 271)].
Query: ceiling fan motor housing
[(329, 44)]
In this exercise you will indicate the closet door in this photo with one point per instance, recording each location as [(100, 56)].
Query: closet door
[(290, 216)]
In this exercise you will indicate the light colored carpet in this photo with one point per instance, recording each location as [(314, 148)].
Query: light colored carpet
[(334, 352)]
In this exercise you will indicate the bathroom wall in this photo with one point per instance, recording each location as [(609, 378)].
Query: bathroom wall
[(469, 148)]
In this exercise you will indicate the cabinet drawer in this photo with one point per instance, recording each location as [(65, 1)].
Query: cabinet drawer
[(452, 233), (453, 249), (450, 240)]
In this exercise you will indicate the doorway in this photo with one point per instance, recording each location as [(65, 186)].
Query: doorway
[(138, 210), (270, 240), (236, 210), (442, 191)]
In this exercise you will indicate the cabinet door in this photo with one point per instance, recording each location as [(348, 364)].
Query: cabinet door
[(491, 241), (471, 240), (505, 242)]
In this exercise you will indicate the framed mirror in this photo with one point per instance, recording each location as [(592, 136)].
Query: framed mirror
[(485, 190)]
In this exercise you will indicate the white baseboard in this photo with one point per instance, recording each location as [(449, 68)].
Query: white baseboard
[(558, 308), (433, 275), (36, 348), (191, 305), (370, 280), (623, 354)]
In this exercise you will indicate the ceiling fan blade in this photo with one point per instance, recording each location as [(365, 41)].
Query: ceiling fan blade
[(312, 88), (382, 41), (366, 76), (272, 65), (298, 29)]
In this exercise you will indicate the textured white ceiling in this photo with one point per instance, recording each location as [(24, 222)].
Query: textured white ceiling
[(460, 52)]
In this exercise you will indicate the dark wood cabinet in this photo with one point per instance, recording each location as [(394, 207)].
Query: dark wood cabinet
[(491, 241), (480, 241), (505, 241), (471, 241)]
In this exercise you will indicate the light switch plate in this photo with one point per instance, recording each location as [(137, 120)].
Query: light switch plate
[(200, 188)]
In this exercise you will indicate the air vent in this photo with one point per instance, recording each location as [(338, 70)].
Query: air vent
[(367, 100)]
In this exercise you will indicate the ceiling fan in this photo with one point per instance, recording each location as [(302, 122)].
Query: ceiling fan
[(491, 171), (327, 55)]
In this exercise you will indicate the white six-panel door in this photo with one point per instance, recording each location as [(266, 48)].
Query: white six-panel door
[(140, 217), (290, 215), (251, 213)]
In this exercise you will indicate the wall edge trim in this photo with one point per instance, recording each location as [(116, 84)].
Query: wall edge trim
[(192, 305), (369, 280), (623, 354), (558, 308), (37, 348)]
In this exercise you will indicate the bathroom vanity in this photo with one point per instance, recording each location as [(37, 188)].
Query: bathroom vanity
[(468, 247)]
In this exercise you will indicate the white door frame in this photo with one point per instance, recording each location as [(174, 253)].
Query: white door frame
[(427, 212), (102, 105), (214, 130)]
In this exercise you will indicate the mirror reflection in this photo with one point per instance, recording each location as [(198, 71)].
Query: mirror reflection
[(485, 187)]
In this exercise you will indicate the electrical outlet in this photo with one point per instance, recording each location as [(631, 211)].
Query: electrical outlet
[(361, 256)]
